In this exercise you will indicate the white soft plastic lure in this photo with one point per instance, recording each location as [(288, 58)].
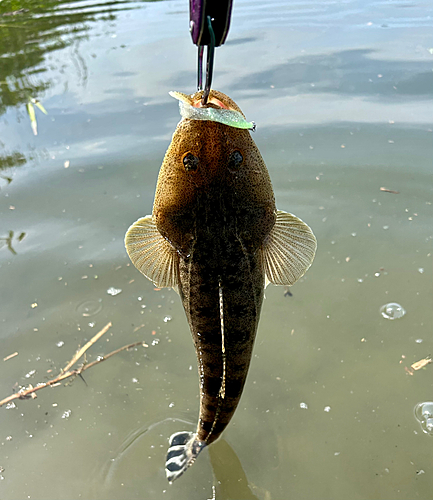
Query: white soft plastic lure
[(228, 117)]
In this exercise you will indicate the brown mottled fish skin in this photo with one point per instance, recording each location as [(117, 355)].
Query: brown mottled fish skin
[(217, 218)]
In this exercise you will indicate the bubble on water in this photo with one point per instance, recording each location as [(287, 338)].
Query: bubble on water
[(418, 341), (60, 343), (66, 414), (327, 409), (30, 374), (10, 406), (424, 415), (392, 311), (304, 406), (420, 270), (167, 319), (89, 307), (155, 342), (92, 324), (114, 291), (135, 380), (171, 405)]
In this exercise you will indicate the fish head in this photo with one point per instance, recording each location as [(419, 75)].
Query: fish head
[(202, 151), (208, 160)]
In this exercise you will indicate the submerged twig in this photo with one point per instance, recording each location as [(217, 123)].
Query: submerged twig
[(81, 351), (386, 190), (29, 392)]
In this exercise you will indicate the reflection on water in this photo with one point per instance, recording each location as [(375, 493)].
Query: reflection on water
[(139, 446), (357, 72), (27, 38), (13, 159), (41, 29), (341, 93), (9, 241), (230, 479), (9, 160)]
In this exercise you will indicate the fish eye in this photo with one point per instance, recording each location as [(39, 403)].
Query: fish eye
[(190, 162), (235, 160)]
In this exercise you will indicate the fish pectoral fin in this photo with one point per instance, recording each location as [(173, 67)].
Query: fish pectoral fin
[(289, 250), (152, 254)]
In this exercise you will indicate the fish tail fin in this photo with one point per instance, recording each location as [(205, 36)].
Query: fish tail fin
[(184, 448)]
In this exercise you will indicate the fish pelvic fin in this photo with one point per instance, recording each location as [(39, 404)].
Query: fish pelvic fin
[(288, 250), (152, 254), (183, 449)]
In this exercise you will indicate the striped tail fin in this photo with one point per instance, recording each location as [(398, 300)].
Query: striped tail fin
[(184, 448)]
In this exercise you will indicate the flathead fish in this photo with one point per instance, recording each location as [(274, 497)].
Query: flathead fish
[(216, 237)]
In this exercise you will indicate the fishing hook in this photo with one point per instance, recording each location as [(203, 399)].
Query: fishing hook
[(209, 25), (210, 54), (200, 68)]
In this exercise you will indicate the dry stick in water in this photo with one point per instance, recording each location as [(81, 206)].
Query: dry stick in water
[(81, 351), (67, 372)]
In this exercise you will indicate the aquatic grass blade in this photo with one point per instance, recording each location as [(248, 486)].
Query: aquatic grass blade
[(39, 105), (32, 116)]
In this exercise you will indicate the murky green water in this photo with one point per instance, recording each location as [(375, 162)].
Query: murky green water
[(342, 96)]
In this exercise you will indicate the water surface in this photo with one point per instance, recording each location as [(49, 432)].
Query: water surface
[(342, 95)]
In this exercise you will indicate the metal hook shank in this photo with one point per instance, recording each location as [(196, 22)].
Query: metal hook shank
[(209, 63), (200, 68)]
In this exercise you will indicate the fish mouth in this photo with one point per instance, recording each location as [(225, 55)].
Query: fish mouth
[(211, 102)]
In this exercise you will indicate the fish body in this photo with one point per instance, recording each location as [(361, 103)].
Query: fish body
[(216, 237)]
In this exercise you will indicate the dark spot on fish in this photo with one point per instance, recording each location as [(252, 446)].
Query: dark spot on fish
[(211, 367), (180, 438), (190, 162), (211, 408), (240, 310), (174, 453), (206, 426), (235, 161), (212, 385), (203, 310), (234, 389), (174, 467)]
